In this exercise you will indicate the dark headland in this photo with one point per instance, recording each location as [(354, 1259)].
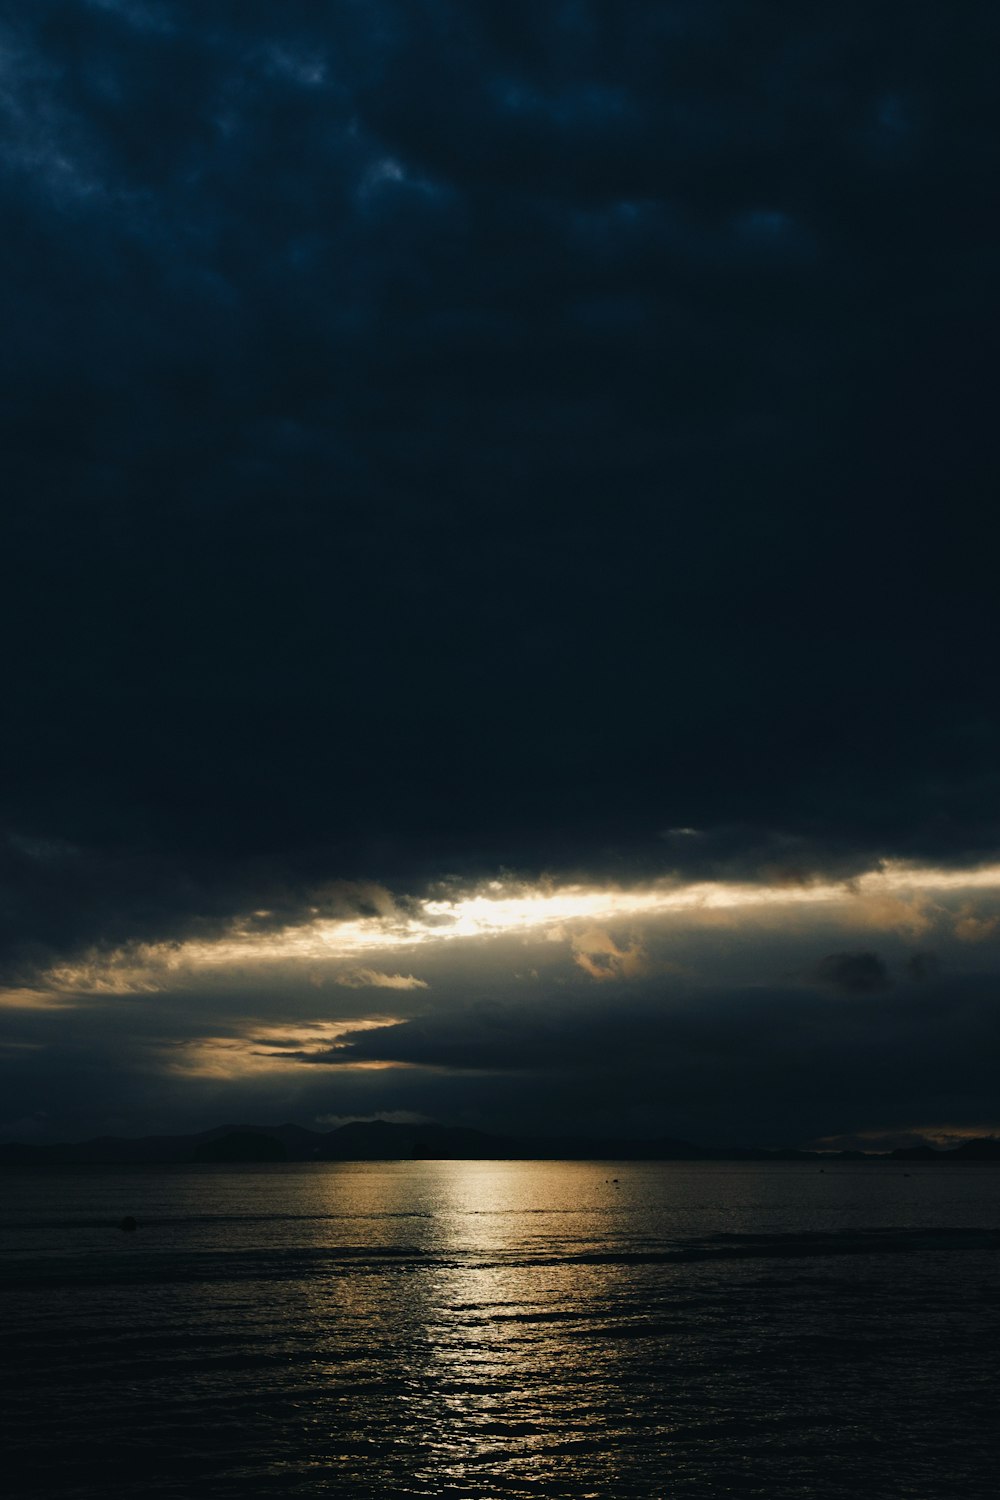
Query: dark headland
[(380, 1140)]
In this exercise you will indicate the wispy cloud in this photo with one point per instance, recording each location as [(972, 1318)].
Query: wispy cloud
[(33, 999), (363, 979), (264, 1049)]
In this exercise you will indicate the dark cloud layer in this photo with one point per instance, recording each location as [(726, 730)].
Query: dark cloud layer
[(856, 973), (456, 433), (479, 433), (771, 1065)]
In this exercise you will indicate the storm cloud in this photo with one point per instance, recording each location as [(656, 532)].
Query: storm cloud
[(469, 441), (855, 973)]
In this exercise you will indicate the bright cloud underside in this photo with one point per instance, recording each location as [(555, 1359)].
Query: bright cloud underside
[(892, 897)]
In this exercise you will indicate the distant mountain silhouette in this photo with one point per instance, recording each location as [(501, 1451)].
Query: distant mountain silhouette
[(983, 1148), (378, 1140), (381, 1140), (242, 1145)]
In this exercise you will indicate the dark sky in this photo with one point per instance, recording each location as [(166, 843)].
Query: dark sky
[(469, 442)]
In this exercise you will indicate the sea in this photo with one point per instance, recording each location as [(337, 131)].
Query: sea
[(594, 1330)]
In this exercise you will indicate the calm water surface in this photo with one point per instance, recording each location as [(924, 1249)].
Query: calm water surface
[(509, 1329)]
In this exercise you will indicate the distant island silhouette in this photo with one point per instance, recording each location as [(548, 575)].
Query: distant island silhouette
[(381, 1140)]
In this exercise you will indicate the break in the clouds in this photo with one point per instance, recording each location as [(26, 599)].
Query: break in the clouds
[(724, 1010), (536, 443)]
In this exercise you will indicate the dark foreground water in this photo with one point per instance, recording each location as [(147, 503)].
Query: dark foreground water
[(502, 1329)]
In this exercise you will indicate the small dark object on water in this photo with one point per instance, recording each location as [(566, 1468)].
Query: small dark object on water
[(128, 1223)]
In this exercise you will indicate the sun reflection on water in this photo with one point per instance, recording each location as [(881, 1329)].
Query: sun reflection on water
[(509, 1392)]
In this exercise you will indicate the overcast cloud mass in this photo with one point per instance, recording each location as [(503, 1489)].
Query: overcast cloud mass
[(499, 566)]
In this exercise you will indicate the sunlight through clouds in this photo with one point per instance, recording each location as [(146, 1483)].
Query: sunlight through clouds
[(264, 1049), (892, 897)]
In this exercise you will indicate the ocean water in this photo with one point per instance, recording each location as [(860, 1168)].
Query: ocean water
[(514, 1329)]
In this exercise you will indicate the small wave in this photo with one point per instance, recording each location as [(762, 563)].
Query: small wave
[(163, 1221), (780, 1246), (146, 1262)]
